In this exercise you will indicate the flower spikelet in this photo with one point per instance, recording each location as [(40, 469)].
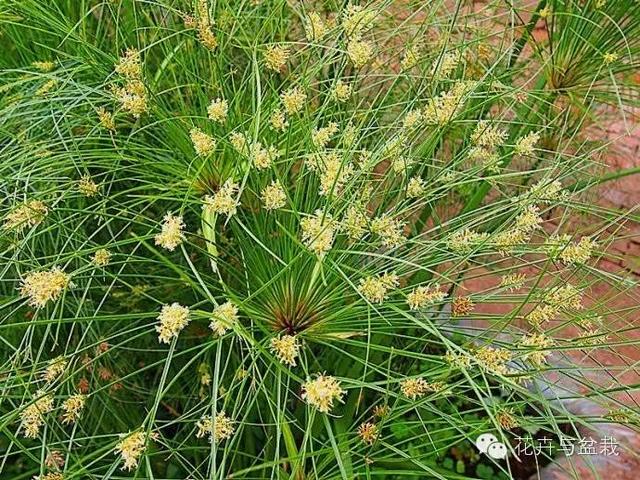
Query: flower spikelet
[(173, 318), (72, 408), (101, 258), (130, 448), (87, 187), (171, 235), (217, 429), (314, 27), (414, 387), (286, 348), (389, 230), (29, 214), (203, 144), (32, 417), (359, 52), (368, 432), (423, 296), (276, 57), (273, 196), (322, 392), (318, 232), (55, 368), (224, 201), (375, 289), (293, 100), (493, 360), (224, 317), (218, 110), (42, 287)]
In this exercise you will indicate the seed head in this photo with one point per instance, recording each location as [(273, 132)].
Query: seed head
[(368, 432), (276, 57)]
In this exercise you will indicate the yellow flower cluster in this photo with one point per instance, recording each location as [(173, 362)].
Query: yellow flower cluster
[(375, 289), (273, 196), (334, 173), (359, 52), (293, 100), (286, 348), (524, 225), (513, 281), (278, 120), (101, 258), (506, 419), (423, 296), (32, 416), (465, 241), (173, 318), (390, 231), (457, 360), (368, 432), (262, 157), (50, 476), (276, 57), (442, 109), (318, 232), (354, 222), (203, 144), (357, 20), (217, 429), (72, 408), (493, 360), (560, 247), (205, 25), (445, 65), (536, 344), (321, 136), (87, 187), (414, 387), (45, 66), (410, 58), (55, 368), (42, 287), (314, 27), (106, 118), (29, 214), (225, 316), (218, 110), (224, 201), (171, 235), (416, 187), (341, 91), (525, 146), (131, 447), (322, 392), (132, 96)]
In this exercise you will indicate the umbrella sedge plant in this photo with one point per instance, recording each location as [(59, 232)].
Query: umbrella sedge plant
[(306, 240)]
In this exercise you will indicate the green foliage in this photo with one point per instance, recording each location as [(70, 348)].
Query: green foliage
[(459, 156)]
